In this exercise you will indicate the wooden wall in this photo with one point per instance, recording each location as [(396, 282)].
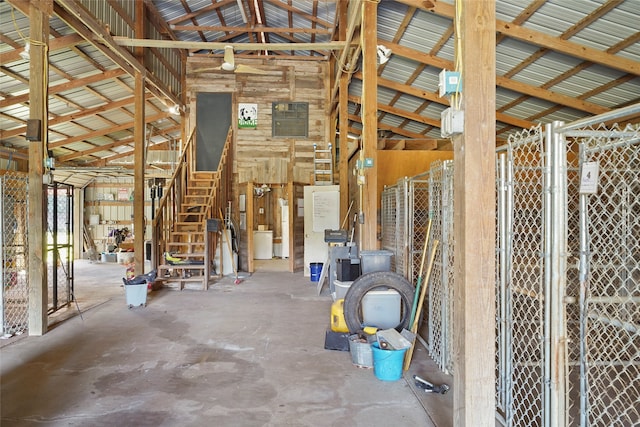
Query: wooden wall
[(396, 164), (392, 165), (112, 201), (259, 157)]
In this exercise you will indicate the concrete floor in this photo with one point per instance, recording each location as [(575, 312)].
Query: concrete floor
[(250, 354)]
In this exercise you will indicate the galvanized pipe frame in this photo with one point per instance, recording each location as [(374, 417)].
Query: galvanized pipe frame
[(14, 267), (548, 292), (440, 288), (613, 155), (59, 258), (521, 282)]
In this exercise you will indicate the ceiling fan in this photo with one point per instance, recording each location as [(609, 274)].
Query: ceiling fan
[(229, 65)]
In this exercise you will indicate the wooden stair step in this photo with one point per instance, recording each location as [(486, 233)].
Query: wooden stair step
[(182, 234), (187, 213), (188, 254), (178, 242), (185, 243), (188, 224), (162, 267)]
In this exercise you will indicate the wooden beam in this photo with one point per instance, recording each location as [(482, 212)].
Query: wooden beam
[(401, 113), (348, 57), (139, 156), (433, 97), (73, 116), (382, 126), (554, 97), (176, 44), (54, 44), (106, 131), (200, 11), (244, 30), (11, 100), (541, 39), (84, 23), (474, 234), (501, 81), (343, 118), (38, 110), (369, 184), (410, 144)]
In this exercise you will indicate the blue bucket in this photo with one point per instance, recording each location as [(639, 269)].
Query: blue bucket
[(387, 364), (316, 269)]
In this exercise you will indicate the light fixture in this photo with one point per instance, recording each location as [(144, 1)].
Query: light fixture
[(175, 110), (25, 53), (383, 54)]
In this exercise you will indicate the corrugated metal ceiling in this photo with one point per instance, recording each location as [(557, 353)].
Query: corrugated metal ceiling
[(534, 74)]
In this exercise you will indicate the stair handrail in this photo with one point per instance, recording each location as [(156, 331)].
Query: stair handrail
[(220, 192), (168, 207)]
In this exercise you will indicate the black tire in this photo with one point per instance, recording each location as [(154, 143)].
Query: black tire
[(380, 280)]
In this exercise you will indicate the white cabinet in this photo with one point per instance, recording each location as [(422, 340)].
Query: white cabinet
[(263, 244)]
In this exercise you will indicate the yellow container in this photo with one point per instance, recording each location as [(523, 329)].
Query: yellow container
[(338, 323)]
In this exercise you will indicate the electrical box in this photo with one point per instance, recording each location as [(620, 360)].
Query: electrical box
[(451, 122), (449, 83)]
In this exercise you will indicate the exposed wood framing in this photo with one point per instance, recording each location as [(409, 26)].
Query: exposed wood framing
[(38, 107), (369, 150), (474, 234)]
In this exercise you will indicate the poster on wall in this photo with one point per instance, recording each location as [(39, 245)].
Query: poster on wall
[(247, 116)]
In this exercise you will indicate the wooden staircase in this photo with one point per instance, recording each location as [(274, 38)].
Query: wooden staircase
[(189, 240)]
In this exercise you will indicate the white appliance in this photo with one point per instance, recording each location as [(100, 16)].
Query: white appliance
[(284, 218), (263, 244)]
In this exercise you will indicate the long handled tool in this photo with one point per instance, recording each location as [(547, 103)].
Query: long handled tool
[(419, 283), (423, 292)]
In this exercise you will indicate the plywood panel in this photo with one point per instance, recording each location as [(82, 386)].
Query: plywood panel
[(395, 164)]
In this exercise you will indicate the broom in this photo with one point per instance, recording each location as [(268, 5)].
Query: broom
[(414, 323), (419, 283)]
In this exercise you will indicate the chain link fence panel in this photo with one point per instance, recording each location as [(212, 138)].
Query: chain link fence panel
[(520, 311), (418, 214), (439, 318), (59, 246), (610, 291), (14, 254), (394, 224)]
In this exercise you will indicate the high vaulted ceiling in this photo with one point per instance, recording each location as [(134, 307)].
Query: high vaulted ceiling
[(556, 60)]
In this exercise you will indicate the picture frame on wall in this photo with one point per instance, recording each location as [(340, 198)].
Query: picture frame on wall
[(247, 116)]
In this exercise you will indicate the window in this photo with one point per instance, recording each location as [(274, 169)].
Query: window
[(290, 119)]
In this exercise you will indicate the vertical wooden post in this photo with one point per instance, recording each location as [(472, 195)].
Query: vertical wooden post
[(250, 225), (474, 195), (343, 118), (38, 110), (368, 235), (291, 200), (139, 128)]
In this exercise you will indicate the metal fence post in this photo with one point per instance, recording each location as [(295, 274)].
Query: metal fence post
[(555, 288), (583, 277)]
